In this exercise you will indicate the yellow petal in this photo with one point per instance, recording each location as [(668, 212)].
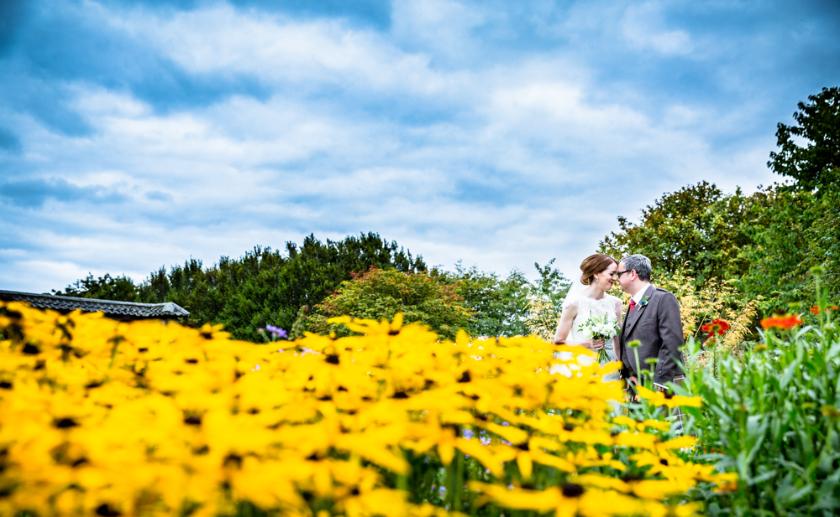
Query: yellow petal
[(526, 466)]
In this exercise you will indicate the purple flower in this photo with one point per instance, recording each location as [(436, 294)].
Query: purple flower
[(276, 332)]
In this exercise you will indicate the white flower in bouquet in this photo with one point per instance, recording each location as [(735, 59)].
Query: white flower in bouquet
[(602, 329)]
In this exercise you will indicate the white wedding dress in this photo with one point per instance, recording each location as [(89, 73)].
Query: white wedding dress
[(587, 307)]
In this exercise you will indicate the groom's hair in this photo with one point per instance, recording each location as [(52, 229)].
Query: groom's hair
[(640, 264)]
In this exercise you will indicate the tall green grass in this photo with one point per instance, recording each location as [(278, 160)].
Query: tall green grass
[(771, 412)]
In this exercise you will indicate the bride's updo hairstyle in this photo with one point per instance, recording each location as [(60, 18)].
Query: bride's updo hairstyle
[(594, 264)]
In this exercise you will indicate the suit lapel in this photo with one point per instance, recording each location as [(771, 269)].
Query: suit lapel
[(632, 318)]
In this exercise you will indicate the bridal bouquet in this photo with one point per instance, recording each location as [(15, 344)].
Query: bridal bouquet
[(602, 329)]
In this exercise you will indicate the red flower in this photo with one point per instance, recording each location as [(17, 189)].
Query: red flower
[(815, 310), (716, 326), (788, 321)]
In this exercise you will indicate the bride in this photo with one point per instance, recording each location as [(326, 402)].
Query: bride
[(587, 304)]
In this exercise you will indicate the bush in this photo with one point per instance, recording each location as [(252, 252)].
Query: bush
[(382, 293)]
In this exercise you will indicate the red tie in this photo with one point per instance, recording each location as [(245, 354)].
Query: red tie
[(632, 305)]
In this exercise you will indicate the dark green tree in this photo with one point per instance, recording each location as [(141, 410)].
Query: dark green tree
[(105, 287), (809, 150), (697, 228), (263, 287), (503, 306), (792, 232)]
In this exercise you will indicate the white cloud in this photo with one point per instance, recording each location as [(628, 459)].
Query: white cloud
[(442, 27), (642, 27), (36, 275), (279, 50), (558, 154)]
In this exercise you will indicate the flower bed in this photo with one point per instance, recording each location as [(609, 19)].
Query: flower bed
[(99, 416)]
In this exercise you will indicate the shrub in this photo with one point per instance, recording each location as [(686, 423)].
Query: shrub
[(382, 293)]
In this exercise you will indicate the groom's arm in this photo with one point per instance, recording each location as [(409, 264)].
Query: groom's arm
[(671, 333)]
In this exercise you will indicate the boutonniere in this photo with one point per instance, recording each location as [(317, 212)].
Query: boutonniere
[(643, 302)]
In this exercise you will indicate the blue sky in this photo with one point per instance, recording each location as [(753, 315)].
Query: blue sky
[(140, 134)]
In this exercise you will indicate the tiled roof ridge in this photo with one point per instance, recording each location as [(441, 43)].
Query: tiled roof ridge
[(56, 301), (79, 298)]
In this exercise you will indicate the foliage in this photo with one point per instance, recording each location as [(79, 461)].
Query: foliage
[(264, 286), (773, 415), (392, 421), (542, 318), (697, 228), (546, 300), (483, 303), (809, 151), (792, 232), (513, 306), (499, 305), (714, 299), (381, 294), (106, 286), (765, 243)]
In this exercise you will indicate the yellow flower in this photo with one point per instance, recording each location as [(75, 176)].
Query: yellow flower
[(379, 501), (519, 498), (492, 457), (266, 485), (659, 398), (680, 442), (659, 489), (201, 419)]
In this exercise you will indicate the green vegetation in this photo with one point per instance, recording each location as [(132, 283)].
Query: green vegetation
[(764, 243), (771, 413), (382, 293), (809, 151), (364, 276), (263, 287)]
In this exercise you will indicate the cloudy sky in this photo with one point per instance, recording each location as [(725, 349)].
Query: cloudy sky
[(499, 133)]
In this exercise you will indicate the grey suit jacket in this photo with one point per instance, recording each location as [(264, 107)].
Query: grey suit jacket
[(655, 323)]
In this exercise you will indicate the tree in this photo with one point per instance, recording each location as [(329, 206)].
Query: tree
[(499, 305), (809, 151), (546, 300), (697, 228), (792, 232), (105, 287), (510, 306), (265, 286), (382, 293)]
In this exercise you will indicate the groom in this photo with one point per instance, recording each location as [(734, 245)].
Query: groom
[(652, 319)]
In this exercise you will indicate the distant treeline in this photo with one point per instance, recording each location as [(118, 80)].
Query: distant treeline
[(265, 286), (365, 276)]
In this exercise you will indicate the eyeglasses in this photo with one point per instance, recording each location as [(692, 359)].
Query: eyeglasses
[(618, 274)]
